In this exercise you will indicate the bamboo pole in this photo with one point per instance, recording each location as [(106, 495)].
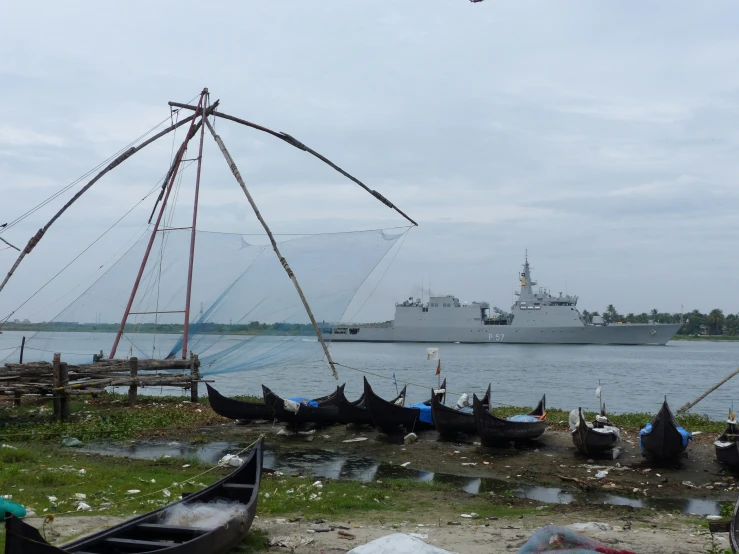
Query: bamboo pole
[(194, 376), (133, 389), (119, 160), (709, 391), (283, 261), (297, 144), (57, 383)]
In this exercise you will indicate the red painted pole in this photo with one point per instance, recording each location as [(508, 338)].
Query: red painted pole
[(178, 161), (192, 233)]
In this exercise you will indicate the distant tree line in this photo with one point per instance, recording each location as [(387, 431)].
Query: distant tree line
[(694, 323), (251, 328)]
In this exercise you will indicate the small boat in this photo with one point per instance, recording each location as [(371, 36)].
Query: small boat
[(663, 438), (495, 430), (594, 438), (734, 528), (237, 409), (356, 412), (150, 532), (391, 418), (321, 411), (451, 421), (727, 448)]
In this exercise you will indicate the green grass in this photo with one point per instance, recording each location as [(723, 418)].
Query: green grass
[(691, 421), (381, 501), (33, 473)]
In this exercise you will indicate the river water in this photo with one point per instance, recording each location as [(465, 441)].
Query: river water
[(634, 378)]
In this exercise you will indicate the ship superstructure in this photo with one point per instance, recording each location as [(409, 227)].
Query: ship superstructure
[(536, 317)]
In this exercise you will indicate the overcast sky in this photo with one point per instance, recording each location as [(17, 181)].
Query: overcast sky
[(602, 137)]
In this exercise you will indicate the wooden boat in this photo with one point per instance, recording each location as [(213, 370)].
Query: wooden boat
[(734, 529), (356, 412), (148, 532), (237, 409), (661, 439), (451, 421), (391, 418), (727, 448), (494, 430), (326, 413), (594, 438)]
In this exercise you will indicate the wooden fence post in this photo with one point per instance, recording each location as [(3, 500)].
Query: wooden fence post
[(194, 376), (133, 389), (64, 401), (55, 394), (17, 398)]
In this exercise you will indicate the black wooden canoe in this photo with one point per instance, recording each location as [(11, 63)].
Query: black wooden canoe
[(391, 418), (450, 421), (664, 441), (148, 533), (327, 412), (727, 448), (356, 412), (734, 529), (237, 409), (494, 430), (594, 438)]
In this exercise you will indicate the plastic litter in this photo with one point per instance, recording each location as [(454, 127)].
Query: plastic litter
[(561, 539), (11, 507), (71, 442), (409, 438), (290, 541), (202, 515), (405, 464), (230, 460), (83, 507), (397, 543), (358, 439), (80, 496), (601, 474), (133, 491)]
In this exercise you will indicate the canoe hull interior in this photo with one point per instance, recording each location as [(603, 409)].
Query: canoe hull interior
[(148, 533)]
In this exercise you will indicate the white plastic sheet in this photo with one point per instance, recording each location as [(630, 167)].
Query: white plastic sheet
[(397, 543), (203, 516)]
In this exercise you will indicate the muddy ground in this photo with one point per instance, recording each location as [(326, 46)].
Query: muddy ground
[(551, 460)]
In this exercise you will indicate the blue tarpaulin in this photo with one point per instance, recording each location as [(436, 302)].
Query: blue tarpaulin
[(523, 418), (304, 401), (687, 437), (425, 413)]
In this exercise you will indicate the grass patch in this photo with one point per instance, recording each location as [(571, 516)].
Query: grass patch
[(256, 541), (380, 501), (691, 421), (35, 473), (112, 422)]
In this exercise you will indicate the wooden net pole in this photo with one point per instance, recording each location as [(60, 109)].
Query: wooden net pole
[(283, 261)]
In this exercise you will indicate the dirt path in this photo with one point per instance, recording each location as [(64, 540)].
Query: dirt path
[(663, 534)]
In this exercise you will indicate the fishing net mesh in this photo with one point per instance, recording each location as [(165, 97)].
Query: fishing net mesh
[(245, 312)]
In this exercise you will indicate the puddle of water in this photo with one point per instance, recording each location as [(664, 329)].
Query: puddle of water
[(335, 465)]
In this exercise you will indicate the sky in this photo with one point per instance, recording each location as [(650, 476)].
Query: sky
[(599, 137)]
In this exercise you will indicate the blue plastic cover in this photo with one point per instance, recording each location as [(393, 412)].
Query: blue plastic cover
[(425, 413), (523, 418), (465, 410), (687, 437), (304, 401)]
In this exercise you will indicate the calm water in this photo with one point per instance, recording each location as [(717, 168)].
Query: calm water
[(338, 465), (633, 378)]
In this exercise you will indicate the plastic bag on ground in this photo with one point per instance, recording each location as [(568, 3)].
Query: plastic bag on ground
[(397, 543), (558, 540)]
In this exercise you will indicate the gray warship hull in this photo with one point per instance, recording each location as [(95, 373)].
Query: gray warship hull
[(536, 317), (634, 334)]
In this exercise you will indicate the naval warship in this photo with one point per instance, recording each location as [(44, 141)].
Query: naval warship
[(536, 317)]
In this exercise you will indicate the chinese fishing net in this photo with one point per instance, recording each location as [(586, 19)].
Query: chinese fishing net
[(245, 311)]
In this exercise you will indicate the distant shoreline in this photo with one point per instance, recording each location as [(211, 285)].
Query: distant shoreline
[(288, 329)]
